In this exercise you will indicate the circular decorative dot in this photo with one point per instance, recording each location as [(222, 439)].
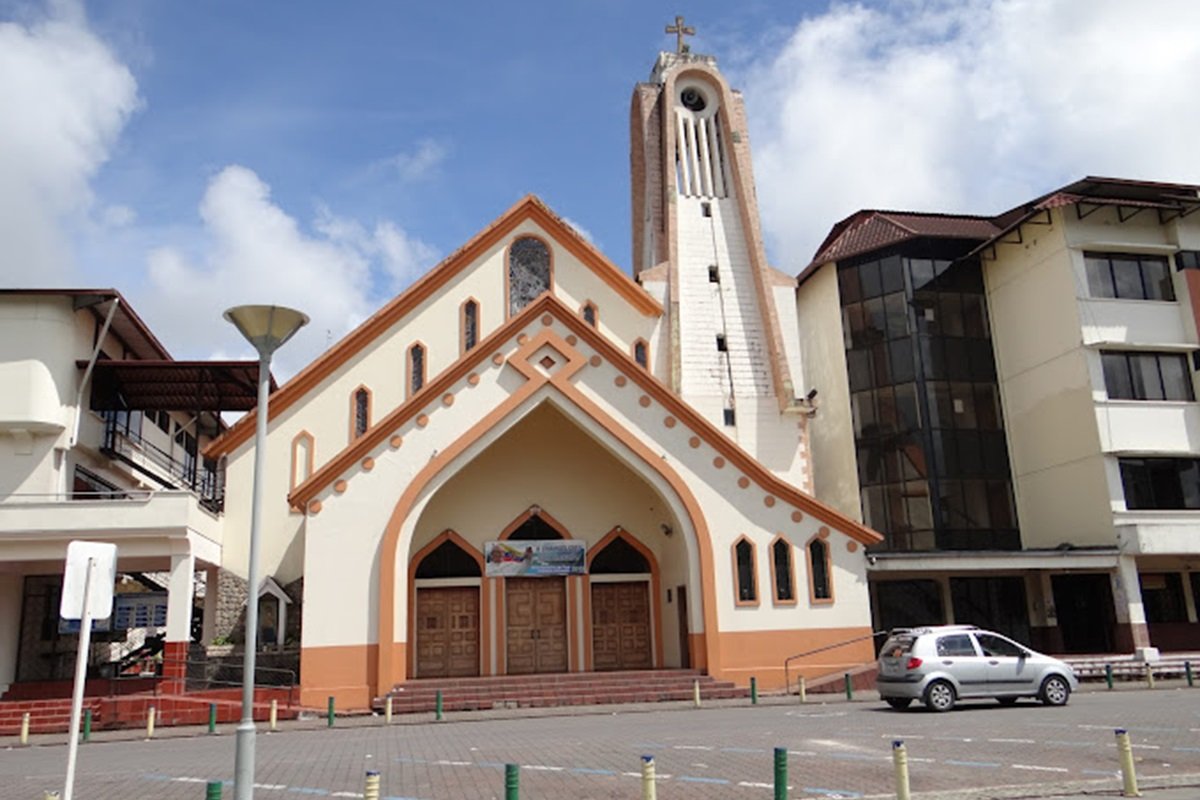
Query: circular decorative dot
[(643, 401), (823, 533), (743, 481), (498, 359), (851, 545), (447, 399), (339, 486), (473, 379), (797, 516), (395, 442), (572, 340), (620, 380), (422, 420), (669, 422), (694, 442), (522, 339), (314, 507), (719, 462), (368, 463), (594, 361), (768, 501), (547, 319)]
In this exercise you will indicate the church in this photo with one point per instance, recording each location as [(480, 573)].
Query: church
[(530, 462)]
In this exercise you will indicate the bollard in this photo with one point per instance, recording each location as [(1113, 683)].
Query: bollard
[(781, 779), (803, 691), (87, 725), (512, 782), (753, 690), (649, 791), (150, 714), (1108, 675), (371, 789), (437, 706), (25, 728), (212, 790), (849, 686), (212, 717), (274, 715), (387, 710), (329, 713), (1128, 775), (1187, 672), (696, 693), (1149, 677), (49, 794), (900, 762)]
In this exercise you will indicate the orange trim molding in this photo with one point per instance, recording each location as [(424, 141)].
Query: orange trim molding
[(302, 439), (819, 542), (737, 577), (791, 567)]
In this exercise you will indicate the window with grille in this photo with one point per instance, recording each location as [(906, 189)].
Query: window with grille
[(528, 272), (781, 557), (362, 412), (1128, 276), (818, 570), (1147, 376), (747, 589), (416, 368), (470, 325)]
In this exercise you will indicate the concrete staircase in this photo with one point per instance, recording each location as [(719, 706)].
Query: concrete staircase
[(1127, 667), (543, 691)]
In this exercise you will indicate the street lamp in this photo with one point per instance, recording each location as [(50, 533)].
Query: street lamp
[(267, 328)]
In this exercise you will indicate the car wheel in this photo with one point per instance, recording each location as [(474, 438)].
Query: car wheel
[(1007, 701), (1055, 691), (898, 702), (939, 696)]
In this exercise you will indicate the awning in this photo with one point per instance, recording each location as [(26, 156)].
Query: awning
[(175, 385)]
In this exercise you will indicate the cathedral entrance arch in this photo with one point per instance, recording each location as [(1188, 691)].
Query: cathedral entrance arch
[(536, 639), (447, 582), (624, 589)]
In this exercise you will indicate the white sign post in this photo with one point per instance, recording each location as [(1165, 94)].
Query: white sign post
[(87, 594)]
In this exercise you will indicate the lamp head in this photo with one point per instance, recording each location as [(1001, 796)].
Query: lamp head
[(266, 327)]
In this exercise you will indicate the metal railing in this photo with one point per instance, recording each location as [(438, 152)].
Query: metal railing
[(202, 477), (787, 682)]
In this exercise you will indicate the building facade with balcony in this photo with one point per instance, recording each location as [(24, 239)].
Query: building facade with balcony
[(100, 438), (1011, 401)]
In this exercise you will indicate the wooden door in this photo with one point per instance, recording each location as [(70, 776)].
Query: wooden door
[(447, 632), (536, 625), (685, 651), (621, 626)]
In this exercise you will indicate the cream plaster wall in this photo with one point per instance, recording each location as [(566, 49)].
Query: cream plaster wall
[(831, 432)]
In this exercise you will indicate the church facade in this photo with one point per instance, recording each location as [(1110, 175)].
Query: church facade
[(529, 462)]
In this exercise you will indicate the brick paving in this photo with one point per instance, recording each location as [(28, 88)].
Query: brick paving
[(838, 749)]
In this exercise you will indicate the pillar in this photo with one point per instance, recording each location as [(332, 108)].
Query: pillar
[(212, 595), (11, 589), (180, 582), (1132, 631)]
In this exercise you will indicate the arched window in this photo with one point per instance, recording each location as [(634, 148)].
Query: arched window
[(641, 354), (470, 325), (782, 574), (362, 411), (590, 314), (302, 458), (448, 560), (619, 557), (528, 272), (416, 368), (820, 582), (744, 572)]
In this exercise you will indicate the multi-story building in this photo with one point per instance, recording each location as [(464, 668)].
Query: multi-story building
[(1010, 400)]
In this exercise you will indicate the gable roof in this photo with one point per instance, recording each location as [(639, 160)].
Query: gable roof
[(377, 434), (527, 208)]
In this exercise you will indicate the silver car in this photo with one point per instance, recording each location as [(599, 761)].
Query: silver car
[(943, 664)]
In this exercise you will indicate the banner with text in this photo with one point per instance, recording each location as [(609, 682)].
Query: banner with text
[(535, 558)]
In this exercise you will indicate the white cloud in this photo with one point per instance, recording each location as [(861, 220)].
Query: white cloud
[(582, 231), (64, 100), (421, 163), (969, 106), (254, 252)]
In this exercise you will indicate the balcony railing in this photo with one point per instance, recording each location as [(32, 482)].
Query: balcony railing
[(203, 477)]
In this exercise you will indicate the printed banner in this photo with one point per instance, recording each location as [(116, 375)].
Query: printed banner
[(535, 558)]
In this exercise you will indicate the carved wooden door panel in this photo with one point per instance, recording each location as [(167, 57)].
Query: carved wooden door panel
[(448, 632), (536, 625), (621, 626)]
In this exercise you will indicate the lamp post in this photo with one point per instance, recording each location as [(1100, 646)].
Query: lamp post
[(267, 328)]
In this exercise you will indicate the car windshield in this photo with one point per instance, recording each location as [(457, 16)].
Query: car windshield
[(994, 645)]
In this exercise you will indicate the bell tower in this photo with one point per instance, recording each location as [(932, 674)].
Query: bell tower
[(697, 245)]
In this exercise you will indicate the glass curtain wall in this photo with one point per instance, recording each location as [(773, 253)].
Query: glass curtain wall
[(931, 451)]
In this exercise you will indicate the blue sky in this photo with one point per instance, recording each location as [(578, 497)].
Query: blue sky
[(195, 155)]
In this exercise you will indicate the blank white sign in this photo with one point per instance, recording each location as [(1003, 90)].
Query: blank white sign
[(75, 578)]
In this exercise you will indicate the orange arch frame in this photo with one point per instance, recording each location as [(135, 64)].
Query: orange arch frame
[(484, 603), (655, 590)]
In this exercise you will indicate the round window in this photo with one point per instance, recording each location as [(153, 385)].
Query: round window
[(692, 99)]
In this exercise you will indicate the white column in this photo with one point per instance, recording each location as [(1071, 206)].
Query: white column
[(10, 623), (179, 597), (211, 599), (1127, 596)]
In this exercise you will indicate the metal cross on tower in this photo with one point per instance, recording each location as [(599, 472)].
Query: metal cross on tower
[(680, 30)]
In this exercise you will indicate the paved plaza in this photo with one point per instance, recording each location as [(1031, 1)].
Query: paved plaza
[(837, 749)]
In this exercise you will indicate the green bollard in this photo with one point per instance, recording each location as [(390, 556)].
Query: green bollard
[(512, 782), (329, 713), (87, 724), (212, 717), (781, 779), (1108, 675), (753, 690), (437, 709), (1187, 671), (849, 686), (212, 790)]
